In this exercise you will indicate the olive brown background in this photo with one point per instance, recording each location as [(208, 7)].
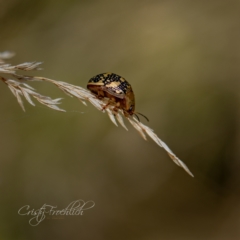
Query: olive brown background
[(182, 59)]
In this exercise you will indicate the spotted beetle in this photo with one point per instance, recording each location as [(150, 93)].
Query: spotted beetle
[(116, 89)]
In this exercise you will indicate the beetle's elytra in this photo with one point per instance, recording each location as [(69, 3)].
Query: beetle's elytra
[(116, 89)]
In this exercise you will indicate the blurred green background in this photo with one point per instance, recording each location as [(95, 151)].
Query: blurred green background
[(182, 59)]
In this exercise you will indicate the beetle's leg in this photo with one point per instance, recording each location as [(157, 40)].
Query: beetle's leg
[(116, 106), (100, 94), (104, 107), (108, 103), (115, 109)]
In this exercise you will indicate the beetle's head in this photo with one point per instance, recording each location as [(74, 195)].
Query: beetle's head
[(129, 106)]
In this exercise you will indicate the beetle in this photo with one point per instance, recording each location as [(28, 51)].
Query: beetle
[(117, 90)]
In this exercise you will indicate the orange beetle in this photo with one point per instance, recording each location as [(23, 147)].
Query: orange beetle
[(117, 89)]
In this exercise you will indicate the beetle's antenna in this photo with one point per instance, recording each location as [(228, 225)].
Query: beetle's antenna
[(136, 116), (142, 115)]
